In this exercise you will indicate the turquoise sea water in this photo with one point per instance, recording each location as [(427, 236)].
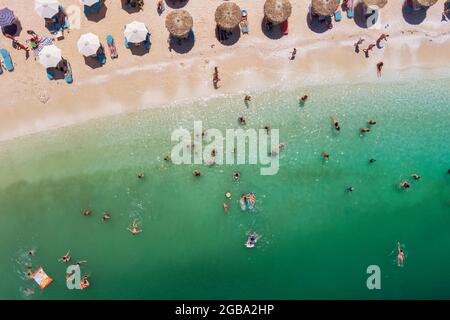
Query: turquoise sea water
[(317, 240)]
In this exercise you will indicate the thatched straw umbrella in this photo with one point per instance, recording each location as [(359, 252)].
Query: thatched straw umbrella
[(179, 23), (426, 3), (228, 15), (324, 7), (277, 11), (377, 3)]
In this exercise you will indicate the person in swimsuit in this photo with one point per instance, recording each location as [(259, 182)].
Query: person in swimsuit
[(267, 128), (379, 67), (404, 184), (236, 176), (141, 175), (247, 99), (364, 130), (134, 229), (400, 255), (368, 49), (225, 207), (65, 258), (326, 155), (415, 176), (241, 120), (371, 122), (372, 160), (336, 123), (350, 189), (167, 158), (106, 216), (31, 253), (87, 212), (197, 173)]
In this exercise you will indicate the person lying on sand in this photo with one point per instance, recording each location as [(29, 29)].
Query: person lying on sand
[(369, 48)]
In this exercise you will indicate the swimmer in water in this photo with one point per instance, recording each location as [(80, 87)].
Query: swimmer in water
[(242, 121), (404, 184), (415, 176), (372, 160), (134, 229), (336, 123), (141, 175), (304, 98), (364, 130), (65, 258), (371, 122), (167, 158), (106, 216), (213, 152), (400, 255), (236, 176), (225, 207), (350, 189), (326, 155), (197, 173), (31, 253), (267, 128), (228, 194), (87, 212), (85, 282)]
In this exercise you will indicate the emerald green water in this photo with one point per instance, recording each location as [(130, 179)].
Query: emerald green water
[(317, 240)]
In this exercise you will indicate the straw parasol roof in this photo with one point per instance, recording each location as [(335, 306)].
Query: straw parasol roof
[(325, 7), (277, 11), (426, 3), (179, 23), (378, 3), (228, 15)]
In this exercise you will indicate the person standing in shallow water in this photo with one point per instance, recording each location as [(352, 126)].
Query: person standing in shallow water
[(216, 78), (379, 68), (400, 255)]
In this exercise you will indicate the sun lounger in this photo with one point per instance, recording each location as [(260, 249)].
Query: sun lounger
[(147, 43), (350, 12), (7, 59), (127, 44), (101, 56), (112, 47), (285, 27), (244, 22), (50, 74), (191, 36), (338, 15)]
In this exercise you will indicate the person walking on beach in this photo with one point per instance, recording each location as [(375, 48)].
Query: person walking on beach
[(65, 258), (400, 255), (216, 78), (379, 67), (293, 54), (358, 43), (369, 48), (303, 99)]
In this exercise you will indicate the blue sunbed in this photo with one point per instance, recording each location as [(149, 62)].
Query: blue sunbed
[(191, 36), (147, 43), (350, 12), (127, 44), (338, 16), (7, 59), (68, 78), (50, 74)]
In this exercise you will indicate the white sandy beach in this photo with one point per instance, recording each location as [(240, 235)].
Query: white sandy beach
[(31, 103)]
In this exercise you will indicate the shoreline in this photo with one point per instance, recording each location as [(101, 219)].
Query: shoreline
[(161, 78)]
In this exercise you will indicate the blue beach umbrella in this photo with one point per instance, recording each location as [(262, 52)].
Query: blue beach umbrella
[(6, 17)]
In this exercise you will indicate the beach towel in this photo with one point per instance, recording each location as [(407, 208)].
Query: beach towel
[(350, 13), (41, 278), (41, 44), (7, 59)]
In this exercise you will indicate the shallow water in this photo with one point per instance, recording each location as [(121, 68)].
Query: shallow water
[(317, 240)]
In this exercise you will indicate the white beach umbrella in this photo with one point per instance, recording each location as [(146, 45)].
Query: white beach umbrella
[(89, 2), (88, 44), (46, 8), (50, 56), (135, 32)]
